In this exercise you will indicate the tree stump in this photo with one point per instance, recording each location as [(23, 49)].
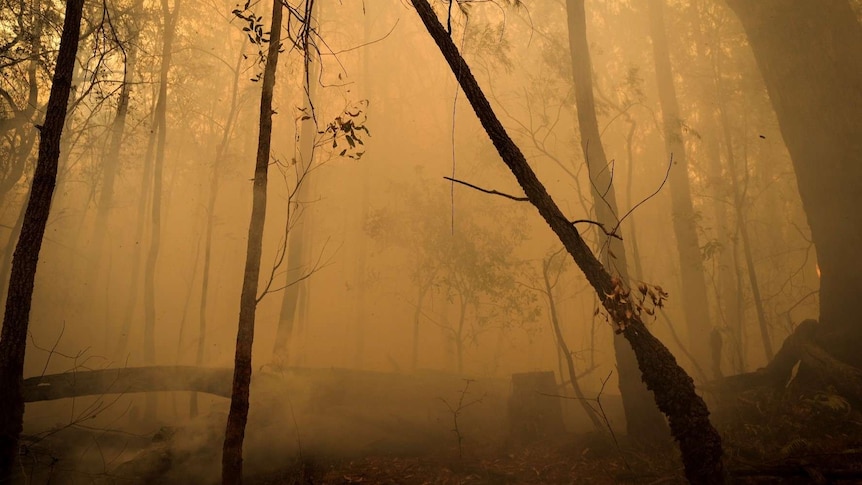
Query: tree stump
[(534, 411)]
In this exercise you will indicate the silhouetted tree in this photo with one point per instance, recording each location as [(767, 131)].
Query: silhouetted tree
[(238, 415), (700, 443), (16, 317), (808, 54)]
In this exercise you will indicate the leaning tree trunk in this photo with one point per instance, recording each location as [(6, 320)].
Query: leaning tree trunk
[(693, 288), (808, 54), (238, 415), (16, 318), (674, 390), (644, 422)]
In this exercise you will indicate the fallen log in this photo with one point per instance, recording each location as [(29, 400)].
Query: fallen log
[(215, 381)]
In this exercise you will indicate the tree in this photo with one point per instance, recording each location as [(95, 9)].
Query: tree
[(808, 54), (468, 263), (238, 415), (16, 317), (674, 390), (694, 297), (643, 419)]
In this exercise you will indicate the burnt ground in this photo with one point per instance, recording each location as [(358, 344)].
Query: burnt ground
[(370, 437)]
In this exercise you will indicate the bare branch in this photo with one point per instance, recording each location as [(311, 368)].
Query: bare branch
[(492, 192)]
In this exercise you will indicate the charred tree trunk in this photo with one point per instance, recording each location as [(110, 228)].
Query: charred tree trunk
[(16, 318), (644, 422), (238, 415), (808, 54), (674, 390), (694, 297)]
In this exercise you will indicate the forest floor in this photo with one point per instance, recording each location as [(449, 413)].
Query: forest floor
[(768, 439), (584, 459)]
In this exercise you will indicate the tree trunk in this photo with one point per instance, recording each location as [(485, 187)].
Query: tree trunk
[(170, 21), (127, 380), (297, 289), (238, 415), (16, 318), (808, 54), (111, 160), (674, 390), (644, 422), (693, 287), (210, 222), (564, 349)]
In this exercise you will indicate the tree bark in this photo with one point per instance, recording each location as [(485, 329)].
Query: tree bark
[(808, 54), (16, 318), (693, 287), (674, 390), (644, 422), (238, 415)]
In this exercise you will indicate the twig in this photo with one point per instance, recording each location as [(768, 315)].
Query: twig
[(492, 192), (600, 225)]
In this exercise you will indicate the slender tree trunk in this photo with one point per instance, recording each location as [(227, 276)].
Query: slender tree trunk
[(210, 221), (808, 54), (170, 21), (421, 290), (459, 334), (694, 296), (700, 443), (16, 318), (296, 293), (643, 420), (134, 276), (111, 160), (742, 225), (238, 415), (564, 349)]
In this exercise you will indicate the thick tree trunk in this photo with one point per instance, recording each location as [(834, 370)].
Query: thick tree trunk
[(674, 390), (693, 287), (808, 54), (644, 422), (16, 318), (238, 415)]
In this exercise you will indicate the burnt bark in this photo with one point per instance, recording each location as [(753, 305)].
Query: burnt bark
[(16, 318), (674, 390), (238, 415)]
